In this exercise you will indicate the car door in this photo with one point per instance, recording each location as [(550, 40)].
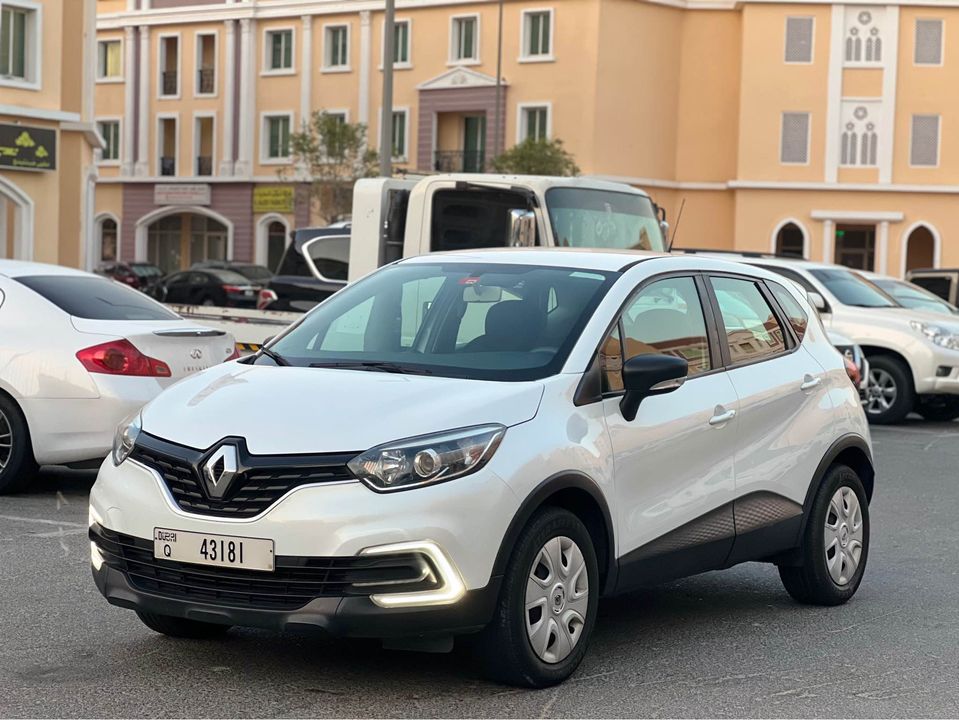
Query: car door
[(783, 407), (674, 462)]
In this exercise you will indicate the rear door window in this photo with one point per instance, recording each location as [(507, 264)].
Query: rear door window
[(752, 330), (96, 298)]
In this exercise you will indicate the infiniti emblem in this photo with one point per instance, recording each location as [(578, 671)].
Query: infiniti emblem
[(219, 471), (196, 353)]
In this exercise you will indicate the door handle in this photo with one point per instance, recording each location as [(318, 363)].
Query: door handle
[(809, 382), (722, 417)]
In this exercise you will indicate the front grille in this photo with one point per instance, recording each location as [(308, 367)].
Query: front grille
[(294, 582), (263, 480)]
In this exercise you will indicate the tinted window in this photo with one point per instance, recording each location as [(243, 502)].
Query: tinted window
[(481, 321), (331, 257), (914, 297), (226, 276), (600, 218), (96, 298), (146, 270), (752, 330), (794, 313), (939, 286), (853, 289), (253, 272), (665, 317)]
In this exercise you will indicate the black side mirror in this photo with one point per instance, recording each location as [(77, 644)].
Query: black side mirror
[(647, 375)]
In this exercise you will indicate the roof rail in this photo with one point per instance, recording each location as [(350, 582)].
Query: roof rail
[(740, 253)]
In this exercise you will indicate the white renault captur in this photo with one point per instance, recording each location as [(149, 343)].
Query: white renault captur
[(488, 442)]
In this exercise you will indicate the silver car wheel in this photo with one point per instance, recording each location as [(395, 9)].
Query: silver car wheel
[(881, 391), (557, 598), (843, 535), (6, 440)]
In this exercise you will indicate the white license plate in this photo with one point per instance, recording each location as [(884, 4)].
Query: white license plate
[(248, 293), (208, 549)]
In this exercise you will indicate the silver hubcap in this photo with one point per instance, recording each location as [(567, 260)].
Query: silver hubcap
[(6, 441), (557, 597), (843, 535), (881, 391)]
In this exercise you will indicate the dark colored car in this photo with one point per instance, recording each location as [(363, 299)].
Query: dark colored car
[(217, 288), (942, 282), (313, 267), (138, 275), (258, 274)]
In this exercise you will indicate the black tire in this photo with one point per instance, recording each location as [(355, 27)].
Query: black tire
[(939, 408), (810, 582), (16, 451), (181, 627), (905, 398), (504, 646)]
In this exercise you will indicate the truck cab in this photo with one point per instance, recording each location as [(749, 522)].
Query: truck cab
[(396, 218)]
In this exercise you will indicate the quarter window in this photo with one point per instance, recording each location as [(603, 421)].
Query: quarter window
[(794, 313), (752, 330), (665, 317)]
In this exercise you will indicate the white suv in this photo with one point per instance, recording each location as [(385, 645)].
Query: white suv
[(913, 354), (487, 443)]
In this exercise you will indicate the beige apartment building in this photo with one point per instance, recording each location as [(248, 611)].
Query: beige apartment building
[(815, 129), (47, 133)]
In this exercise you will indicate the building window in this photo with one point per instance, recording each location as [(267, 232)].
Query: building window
[(108, 240), (794, 138), (275, 244), (401, 43), (534, 123), (279, 50), (169, 66), (924, 150), (109, 60), (799, 34), (18, 43), (465, 39), (538, 34), (790, 241), (206, 64), (110, 132), (860, 135), (399, 135), (336, 54), (277, 135), (928, 42)]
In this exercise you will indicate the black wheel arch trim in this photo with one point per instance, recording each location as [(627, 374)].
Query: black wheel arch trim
[(554, 484), (844, 443)]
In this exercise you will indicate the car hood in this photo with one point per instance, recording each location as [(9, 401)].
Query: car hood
[(903, 316), (286, 410)]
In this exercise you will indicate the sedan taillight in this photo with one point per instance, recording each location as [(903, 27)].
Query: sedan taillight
[(120, 357), (232, 289)]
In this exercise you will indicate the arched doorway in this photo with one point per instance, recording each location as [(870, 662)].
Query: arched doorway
[(272, 237), (790, 240), (920, 249), (175, 238), (107, 239), (16, 222)]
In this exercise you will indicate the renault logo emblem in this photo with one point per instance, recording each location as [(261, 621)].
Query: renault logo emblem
[(196, 353), (219, 471)]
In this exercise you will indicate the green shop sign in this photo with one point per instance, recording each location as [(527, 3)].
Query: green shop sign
[(27, 148)]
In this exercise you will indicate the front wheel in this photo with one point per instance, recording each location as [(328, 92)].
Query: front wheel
[(547, 606), (835, 542), (889, 392)]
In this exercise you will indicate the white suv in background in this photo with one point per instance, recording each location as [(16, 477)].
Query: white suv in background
[(913, 355), (488, 442)]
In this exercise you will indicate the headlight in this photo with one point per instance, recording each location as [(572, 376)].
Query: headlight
[(124, 438), (428, 459), (939, 336)]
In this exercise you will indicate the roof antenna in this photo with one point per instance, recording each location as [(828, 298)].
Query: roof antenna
[(679, 216)]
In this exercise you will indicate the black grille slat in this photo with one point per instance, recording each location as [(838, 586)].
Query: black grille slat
[(294, 582), (262, 483)]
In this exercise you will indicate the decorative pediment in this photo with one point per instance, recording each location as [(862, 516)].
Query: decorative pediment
[(459, 77)]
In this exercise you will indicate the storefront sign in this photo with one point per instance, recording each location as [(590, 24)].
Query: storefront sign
[(27, 148), (273, 198), (185, 194)]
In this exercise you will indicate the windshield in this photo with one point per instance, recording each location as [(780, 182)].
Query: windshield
[(853, 289), (146, 270), (914, 297), (228, 276), (478, 321), (604, 219), (253, 272)]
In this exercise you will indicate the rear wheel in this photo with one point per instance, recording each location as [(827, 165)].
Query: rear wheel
[(547, 605), (889, 392), (939, 408), (835, 542), (17, 466), (181, 627)]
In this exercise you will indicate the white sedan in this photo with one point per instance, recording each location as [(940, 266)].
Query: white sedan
[(78, 354)]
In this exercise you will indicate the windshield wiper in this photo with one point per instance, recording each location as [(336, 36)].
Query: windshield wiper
[(374, 365), (274, 356)]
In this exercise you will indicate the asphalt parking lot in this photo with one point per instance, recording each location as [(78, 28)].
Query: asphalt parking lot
[(720, 644)]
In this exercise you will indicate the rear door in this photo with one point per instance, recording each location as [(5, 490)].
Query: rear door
[(783, 408), (674, 461), (177, 288)]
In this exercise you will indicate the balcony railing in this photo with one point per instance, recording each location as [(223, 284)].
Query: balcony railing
[(171, 82), (204, 165), (167, 165), (459, 161), (206, 80)]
